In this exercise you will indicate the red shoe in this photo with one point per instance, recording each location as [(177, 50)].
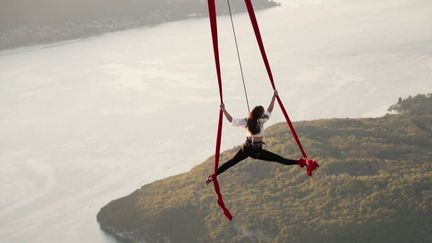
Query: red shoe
[(210, 178), (301, 162), (311, 165)]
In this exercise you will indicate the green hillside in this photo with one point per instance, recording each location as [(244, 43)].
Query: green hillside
[(374, 185)]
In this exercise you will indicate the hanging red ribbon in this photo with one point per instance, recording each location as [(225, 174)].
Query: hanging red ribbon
[(213, 26), (269, 72)]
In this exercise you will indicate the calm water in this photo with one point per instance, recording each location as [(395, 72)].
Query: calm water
[(87, 121)]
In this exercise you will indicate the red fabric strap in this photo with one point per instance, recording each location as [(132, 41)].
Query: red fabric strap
[(213, 26), (267, 65)]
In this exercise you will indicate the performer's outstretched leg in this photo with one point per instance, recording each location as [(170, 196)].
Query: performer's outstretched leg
[(269, 156), (239, 156)]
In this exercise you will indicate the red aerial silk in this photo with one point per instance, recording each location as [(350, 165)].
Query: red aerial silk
[(267, 65), (213, 26)]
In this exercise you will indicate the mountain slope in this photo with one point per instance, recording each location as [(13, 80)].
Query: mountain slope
[(374, 185)]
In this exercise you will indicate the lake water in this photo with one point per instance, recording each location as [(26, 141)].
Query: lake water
[(87, 121)]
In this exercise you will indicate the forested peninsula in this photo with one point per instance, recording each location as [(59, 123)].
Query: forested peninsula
[(29, 22), (374, 184)]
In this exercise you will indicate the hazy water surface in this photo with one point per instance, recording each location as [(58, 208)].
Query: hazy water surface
[(87, 121)]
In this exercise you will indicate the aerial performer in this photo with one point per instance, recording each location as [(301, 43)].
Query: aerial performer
[(254, 122), (253, 146)]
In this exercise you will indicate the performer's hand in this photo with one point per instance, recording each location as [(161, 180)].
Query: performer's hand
[(222, 106)]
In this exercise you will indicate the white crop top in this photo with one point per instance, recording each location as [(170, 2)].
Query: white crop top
[(242, 122)]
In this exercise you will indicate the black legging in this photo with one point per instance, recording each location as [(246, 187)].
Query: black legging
[(256, 153)]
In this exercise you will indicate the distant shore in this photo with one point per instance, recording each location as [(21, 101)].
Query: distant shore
[(45, 29)]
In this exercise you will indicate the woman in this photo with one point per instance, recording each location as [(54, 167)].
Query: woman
[(254, 141)]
